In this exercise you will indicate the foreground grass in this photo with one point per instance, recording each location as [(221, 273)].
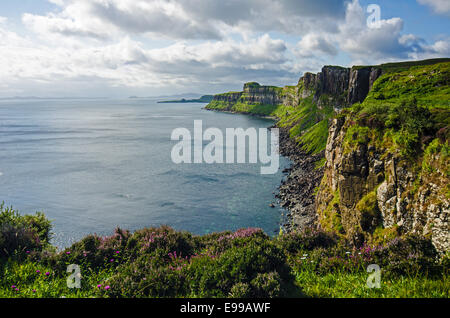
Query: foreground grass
[(28, 279), (354, 285), (164, 263)]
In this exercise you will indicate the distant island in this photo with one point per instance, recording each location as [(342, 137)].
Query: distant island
[(203, 99)]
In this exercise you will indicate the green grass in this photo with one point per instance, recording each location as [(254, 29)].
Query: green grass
[(314, 140), (32, 282), (429, 85), (402, 66), (255, 109), (354, 285)]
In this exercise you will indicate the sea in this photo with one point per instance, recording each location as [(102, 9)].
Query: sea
[(92, 165)]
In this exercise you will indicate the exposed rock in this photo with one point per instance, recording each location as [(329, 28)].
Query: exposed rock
[(361, 82), (257, 94), (356, 173), (296, 193)]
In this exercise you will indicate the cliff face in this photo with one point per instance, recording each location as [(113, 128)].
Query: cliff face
[(387, 162), (228, 99), (256, 94), (372, 191), (334, 85), (339, 86), (253, 94)]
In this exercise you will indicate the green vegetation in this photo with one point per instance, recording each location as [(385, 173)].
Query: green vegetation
[(405, 107), (402, 66), (369, 213), (308, 123), (330, 219), (254, 109), (161, 262), (430, 85), (314, 140)]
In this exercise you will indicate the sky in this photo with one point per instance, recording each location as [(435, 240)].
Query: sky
[(121, 48)]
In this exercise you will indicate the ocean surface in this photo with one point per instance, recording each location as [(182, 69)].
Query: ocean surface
[(94, 165)]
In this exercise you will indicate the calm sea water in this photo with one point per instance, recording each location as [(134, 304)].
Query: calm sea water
[(93, 165)]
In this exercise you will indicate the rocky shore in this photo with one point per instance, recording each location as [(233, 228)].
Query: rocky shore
[(297, 190)]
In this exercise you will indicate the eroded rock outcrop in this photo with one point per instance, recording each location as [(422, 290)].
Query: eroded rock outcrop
[(367, 189)]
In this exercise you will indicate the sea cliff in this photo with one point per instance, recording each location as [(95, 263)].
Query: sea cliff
[(369, 146)]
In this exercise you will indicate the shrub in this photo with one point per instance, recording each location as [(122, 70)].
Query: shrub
[(146, 277), (408, 255), (240, 290), (19, 234), (267, 285), (93, 251), (306, 239), (164, 239), (211, 276)]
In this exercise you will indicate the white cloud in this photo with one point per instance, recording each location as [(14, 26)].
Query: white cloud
[(439, 6), (129, 65), (383, 43), (314, 44), (187, 19), (158, 46)]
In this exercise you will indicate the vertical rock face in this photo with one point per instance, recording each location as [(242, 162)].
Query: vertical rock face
[(339, 86), (257, 94), (366, 187), (230, 98), (426, 212), (253, 93), (334, 85), (308, 84), (334, 80), (361, 82)]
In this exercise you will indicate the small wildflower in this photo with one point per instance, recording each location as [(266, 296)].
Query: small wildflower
[(28, 252), (107, 287), (13, 286), (38, 271), (99, 286), (47, 273), (34, 290), (111, 260), (68, 253)]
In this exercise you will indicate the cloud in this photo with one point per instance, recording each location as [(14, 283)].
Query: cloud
[(315, 44), (386, 42), (127, 64), (187, 19), (438, 6), (158, 46)]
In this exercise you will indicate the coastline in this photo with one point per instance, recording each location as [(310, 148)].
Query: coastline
[(242, 113), (296, 193)]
